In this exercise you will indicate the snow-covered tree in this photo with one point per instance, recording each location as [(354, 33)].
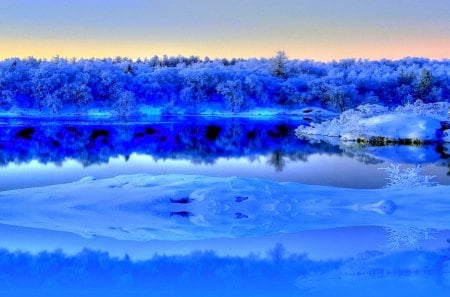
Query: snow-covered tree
[(53, 102), (233, 93), (190, 82), (7, 99), (124, 104), (278, 67), (424, 86), (408, 177)]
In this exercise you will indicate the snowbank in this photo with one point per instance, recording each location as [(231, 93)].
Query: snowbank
[(213, 110), (180, 207), (378, 124), (396, 127)]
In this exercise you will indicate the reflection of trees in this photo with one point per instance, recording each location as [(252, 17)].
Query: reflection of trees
[(373, 270), (276, 160), (360, 155), (409, 237), (372, 155), (277, 253), (196, 274), (201, 141), (205, 273)]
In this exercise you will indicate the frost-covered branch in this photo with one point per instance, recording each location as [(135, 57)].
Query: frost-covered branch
[(408, 177)]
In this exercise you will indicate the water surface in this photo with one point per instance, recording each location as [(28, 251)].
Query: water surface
[(43, 153), (307, 263)]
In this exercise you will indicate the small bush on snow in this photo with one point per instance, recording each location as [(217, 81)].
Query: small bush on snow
[(408, 177)]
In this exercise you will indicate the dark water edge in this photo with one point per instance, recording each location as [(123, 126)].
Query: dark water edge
[(67, 151), (196, 139)]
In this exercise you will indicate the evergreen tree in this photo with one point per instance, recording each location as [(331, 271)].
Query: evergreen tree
[(424, 85), (279, 64)]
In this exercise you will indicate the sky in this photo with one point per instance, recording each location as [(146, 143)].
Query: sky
[(307, 29)]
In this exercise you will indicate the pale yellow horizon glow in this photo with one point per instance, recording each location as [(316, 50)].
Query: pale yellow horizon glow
[(320, 51), (306, 29)]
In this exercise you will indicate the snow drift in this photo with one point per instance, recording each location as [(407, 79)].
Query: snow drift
[(176, 207)]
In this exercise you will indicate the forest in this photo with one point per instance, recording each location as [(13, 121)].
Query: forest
[(190, 85)]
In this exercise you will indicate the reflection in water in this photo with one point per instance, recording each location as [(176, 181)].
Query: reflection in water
[(200, 141), (278, 273), (225, 147), (410, 258)]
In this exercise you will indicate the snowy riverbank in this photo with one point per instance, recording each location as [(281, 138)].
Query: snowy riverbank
[(146, 112), (410, 124)]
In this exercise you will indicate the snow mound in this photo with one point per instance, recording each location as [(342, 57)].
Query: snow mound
[(375, 123), (395, 126), (346, 122)]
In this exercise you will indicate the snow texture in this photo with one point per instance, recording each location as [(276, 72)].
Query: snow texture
[(420, 122), (176, 207)]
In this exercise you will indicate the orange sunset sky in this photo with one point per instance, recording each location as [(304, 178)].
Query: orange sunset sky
[(319, 30)]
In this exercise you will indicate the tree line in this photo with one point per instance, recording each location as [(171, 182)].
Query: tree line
[(190, 84)]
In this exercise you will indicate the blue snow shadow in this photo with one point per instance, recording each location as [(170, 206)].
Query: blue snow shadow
[(277, 273)]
